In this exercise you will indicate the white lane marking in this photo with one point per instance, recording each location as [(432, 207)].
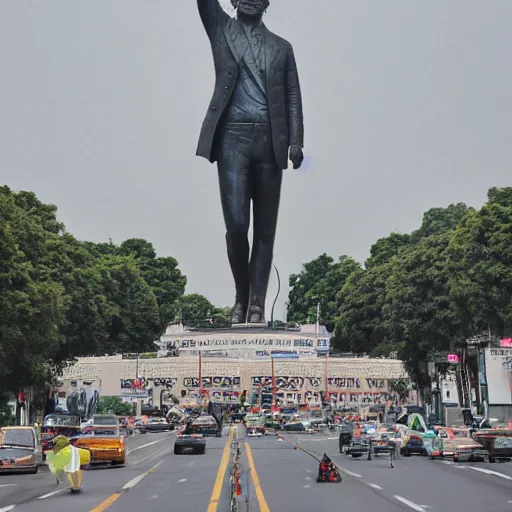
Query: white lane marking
[(149, 444), (306, 486), (375, 486), (53, 493), (352, 474), (307, 478), (491, 472), (5, 509), (410, 504), (134, 481), (7, 485), (182, 480), (449, 462)]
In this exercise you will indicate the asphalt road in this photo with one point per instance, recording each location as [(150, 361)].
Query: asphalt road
[(274, 476), (427, 484)]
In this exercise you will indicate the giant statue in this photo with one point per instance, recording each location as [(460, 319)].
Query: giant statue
[(253, 126)]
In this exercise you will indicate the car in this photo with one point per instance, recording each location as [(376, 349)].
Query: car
[(104, 448), (206, 425), (18, 450), (156, 425), (58, 424), (412, 443), (193, 442), (498, 443)]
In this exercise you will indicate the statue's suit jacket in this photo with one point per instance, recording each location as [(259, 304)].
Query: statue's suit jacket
[(283, 89)]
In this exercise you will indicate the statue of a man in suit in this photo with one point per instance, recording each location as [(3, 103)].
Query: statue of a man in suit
[(253, 125)]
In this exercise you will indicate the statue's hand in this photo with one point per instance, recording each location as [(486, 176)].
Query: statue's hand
[(296, 156)]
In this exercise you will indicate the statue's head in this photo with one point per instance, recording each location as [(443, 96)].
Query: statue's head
[(251, 8)]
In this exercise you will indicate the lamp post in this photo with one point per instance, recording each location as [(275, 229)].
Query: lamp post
[(273, 382), (275, 300), (200, 375)]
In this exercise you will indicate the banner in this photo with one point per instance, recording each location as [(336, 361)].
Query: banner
[(498, 366)]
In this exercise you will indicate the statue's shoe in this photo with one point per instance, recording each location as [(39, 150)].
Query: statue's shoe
[(238, 313), (256, 315)]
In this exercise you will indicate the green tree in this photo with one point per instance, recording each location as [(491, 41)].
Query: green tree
[(319, 283), (133, 323), (113, 405), (196, 310), (32, 307), (162, 274), (481, 266)]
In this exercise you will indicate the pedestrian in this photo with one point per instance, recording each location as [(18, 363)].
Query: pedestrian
[(67, 460)]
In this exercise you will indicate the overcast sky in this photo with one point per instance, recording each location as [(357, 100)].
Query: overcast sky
[(407, 106)]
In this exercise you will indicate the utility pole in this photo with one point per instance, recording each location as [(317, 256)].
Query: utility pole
[(200, 375), (273, 382)]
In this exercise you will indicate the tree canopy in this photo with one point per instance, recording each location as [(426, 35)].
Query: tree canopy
[(61, 298), (419, 293)]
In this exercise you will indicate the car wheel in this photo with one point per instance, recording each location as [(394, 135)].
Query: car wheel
[(33, 471), (177, 450)]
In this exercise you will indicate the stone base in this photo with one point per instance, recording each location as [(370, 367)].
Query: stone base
[(262, 325)]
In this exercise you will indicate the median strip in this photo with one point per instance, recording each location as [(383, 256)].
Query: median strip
[(219, 480)]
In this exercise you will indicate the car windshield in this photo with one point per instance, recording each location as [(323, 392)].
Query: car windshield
[(61, 420), (17, 437), (204, 420), (105, 420)]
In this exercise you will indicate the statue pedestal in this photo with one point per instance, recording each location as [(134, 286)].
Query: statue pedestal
[(262, 325)]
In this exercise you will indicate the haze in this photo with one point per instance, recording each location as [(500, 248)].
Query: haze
[(407, 106)]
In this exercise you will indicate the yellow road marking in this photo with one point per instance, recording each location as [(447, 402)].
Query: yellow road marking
[(262, 502), (105, 504), (219, 480)]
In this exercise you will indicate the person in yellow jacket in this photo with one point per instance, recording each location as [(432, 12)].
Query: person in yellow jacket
[(66, 459)]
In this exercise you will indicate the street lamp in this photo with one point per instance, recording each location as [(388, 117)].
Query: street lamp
[(275, 300)]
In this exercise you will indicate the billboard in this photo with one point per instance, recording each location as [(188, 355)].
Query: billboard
[(498, 369)]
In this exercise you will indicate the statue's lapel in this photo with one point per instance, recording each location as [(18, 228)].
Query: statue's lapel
[(272, 51), (236, 38)]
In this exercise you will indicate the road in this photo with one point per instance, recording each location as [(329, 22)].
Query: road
[(274, 475)]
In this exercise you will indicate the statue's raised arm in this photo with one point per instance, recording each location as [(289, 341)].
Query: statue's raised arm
[(212, 15)]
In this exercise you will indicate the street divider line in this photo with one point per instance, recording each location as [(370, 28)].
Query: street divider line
[(53, 493), (410, 504), (105, 504), (262, 502), (149, 444), (219, 479), (6, 509), (134, 481), (126, 487), (491, 472), (7, 485), (356, 475), (375, 486)]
